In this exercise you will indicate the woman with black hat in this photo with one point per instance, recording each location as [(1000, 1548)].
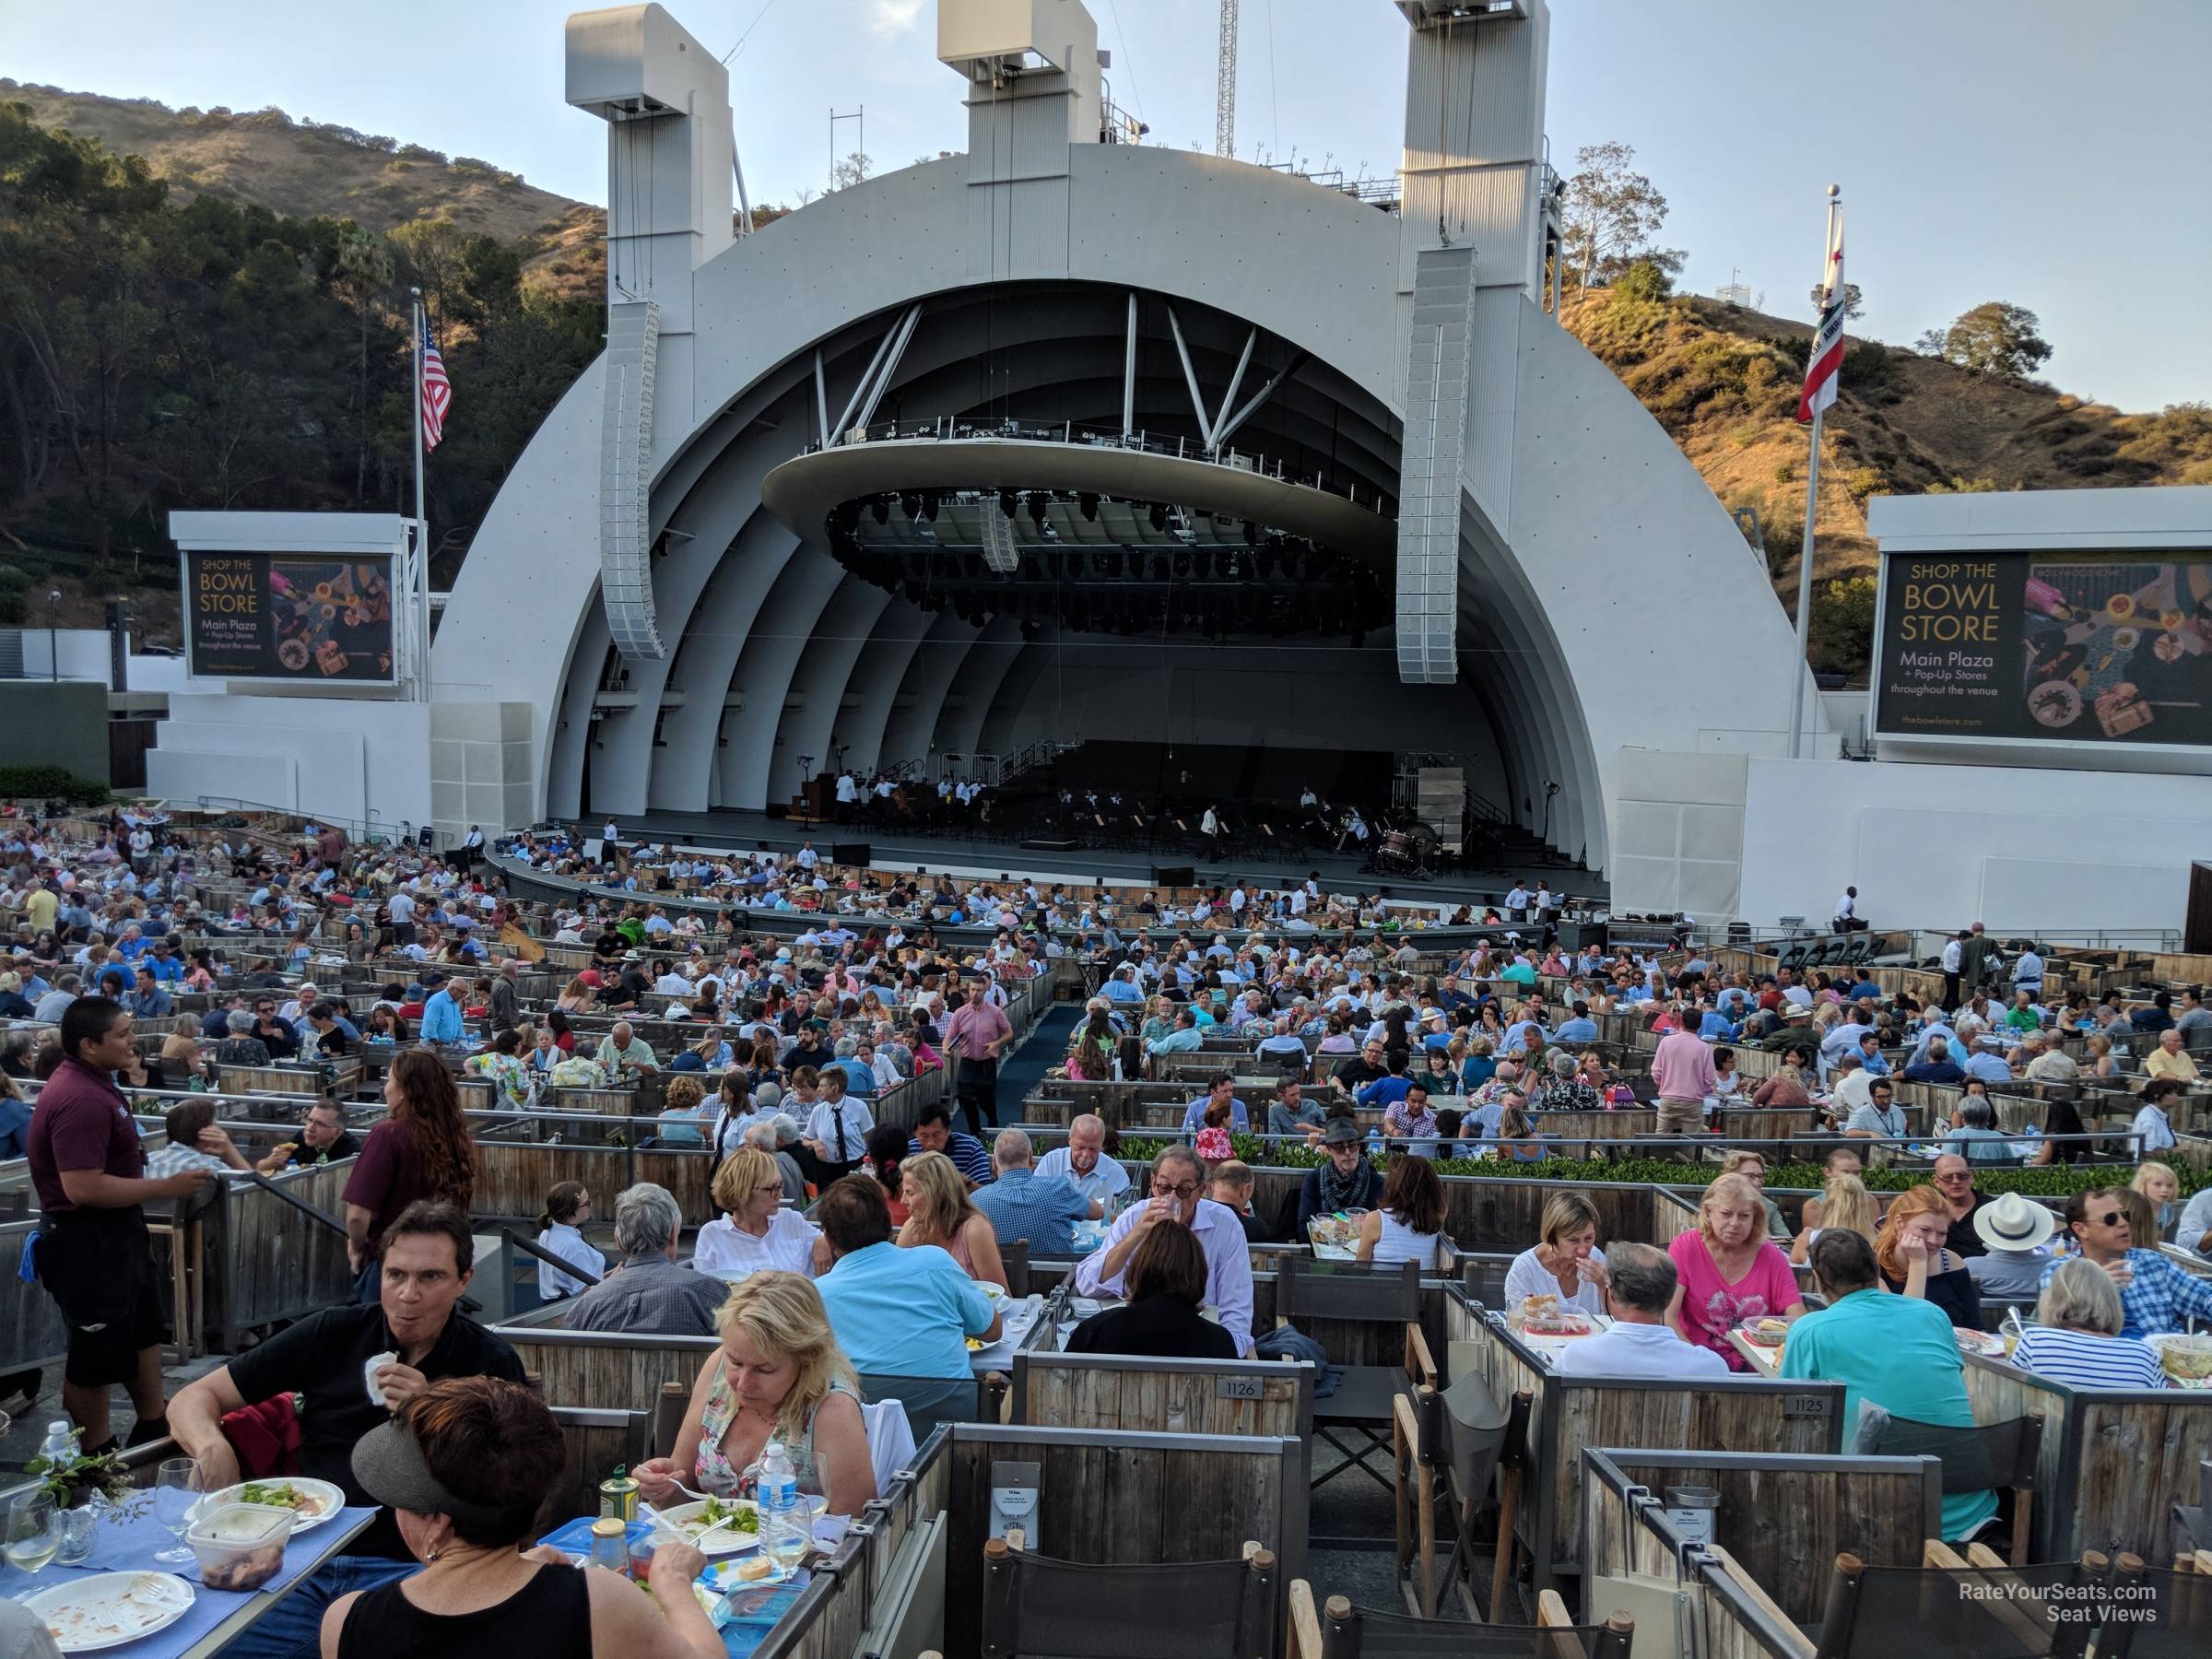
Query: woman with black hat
[(464, 1466)]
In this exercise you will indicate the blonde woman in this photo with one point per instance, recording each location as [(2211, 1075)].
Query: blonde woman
[(939, 1212), (777, 1375), (1568, 1264), (181, 1048), (1845, 1206), (1728, 1271), (756, 1233), (2155, 1180), (576, 996)]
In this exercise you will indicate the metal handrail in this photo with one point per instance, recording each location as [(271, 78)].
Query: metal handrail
[(529, 1247)]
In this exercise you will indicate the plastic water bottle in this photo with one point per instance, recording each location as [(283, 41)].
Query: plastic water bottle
[(786, 1524), (1374, 1143), (60, 1444)]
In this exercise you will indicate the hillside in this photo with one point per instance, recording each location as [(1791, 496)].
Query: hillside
[(1723, 379), (304, 169)]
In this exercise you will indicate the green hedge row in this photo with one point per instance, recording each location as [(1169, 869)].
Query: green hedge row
[(53, 782), (2051, 1181)]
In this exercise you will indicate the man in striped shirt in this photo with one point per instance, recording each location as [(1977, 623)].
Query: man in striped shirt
[(933, 1133)]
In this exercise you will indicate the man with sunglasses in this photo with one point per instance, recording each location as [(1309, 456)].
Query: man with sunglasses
[(1954, 1181), (2155, 1296), (1177, 1180)]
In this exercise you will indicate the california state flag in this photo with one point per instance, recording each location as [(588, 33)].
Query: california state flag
[(1821, 371)]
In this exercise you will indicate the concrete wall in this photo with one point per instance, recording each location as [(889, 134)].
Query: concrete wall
[(2021, 849), (336, 757), (83, 651), (56, 722)]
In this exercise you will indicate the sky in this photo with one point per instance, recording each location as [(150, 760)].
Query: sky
[(2043, 152)]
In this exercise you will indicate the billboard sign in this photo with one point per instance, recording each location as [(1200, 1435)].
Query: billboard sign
[(289, 617), (2050, 647)]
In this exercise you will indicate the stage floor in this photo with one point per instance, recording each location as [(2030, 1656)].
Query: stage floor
[(756, 831)]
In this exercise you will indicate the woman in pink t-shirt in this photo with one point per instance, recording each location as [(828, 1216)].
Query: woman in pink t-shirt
[(1729, 1271)]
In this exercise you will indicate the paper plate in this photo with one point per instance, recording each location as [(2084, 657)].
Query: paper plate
[(107, 1609), (684, 1517), (328, 1498)]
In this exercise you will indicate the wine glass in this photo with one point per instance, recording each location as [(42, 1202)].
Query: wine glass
[(32, 1536), (176, 1491)]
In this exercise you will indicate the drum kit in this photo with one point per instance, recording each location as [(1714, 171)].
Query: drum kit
[(1405, 854)]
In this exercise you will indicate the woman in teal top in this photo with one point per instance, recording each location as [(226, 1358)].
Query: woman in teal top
[(1893, 1351)]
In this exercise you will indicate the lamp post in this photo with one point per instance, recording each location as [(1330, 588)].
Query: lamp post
[(53, 633)]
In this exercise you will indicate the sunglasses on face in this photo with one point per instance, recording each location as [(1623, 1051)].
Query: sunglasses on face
[(1183, 1191), (2110, 1218), (1961, 1175)]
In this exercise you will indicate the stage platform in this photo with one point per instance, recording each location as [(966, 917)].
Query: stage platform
[(986, 860)]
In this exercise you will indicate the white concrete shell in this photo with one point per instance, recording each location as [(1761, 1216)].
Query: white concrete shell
[(1604, 591)]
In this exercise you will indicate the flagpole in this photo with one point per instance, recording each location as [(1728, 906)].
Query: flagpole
[(1805, 554), (418, 581)]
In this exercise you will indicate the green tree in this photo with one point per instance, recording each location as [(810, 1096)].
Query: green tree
[(1996, 338), (1613, 212), (1841, 638), (1854, 302), (1644, 280)]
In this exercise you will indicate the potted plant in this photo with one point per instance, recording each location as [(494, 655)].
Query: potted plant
[(79, 1480)]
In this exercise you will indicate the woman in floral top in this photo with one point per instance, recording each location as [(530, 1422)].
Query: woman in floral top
[(505, 1068)]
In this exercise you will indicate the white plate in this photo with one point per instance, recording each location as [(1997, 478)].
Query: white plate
[(107, 1609), (729, 1541), (333, 1499)]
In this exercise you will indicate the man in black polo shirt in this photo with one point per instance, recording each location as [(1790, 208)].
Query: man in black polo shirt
[(426, 1255)]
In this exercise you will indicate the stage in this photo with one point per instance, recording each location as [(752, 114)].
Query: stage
[(987, 860)]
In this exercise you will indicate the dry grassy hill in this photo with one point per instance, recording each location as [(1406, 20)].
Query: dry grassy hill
[(302, 169), (1723, 381)]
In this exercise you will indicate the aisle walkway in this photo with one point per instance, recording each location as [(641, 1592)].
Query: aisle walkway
[(1043, 1047)]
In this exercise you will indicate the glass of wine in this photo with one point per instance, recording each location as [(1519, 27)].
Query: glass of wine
[(176, 1490), (32, 1536)]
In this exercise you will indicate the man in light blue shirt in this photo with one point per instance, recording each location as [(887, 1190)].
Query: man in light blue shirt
[(1121, 986), (1183, 1040), (1222, 1088), (1021, 1204), (441, 1013), (901, 1312), (1892, 1351), (1986, 1063), (1081, 1162), (1581, 1029)]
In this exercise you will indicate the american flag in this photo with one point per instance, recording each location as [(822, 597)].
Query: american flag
[(437, 392)]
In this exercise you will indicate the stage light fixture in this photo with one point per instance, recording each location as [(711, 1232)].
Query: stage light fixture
[(929, 506), (1158, 517), (880, 510), (1038, 502), (1008, 503), (1089, 503), (911, 504)]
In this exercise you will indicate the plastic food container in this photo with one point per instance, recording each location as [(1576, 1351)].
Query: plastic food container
[(241, 1546)]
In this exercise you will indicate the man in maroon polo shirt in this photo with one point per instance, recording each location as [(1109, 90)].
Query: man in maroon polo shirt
[(92, 1253)]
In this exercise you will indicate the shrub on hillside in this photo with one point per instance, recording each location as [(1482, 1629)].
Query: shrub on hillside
[(53, 782)]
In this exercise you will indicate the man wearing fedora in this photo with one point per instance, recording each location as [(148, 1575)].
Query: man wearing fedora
[(2013, 1231)]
